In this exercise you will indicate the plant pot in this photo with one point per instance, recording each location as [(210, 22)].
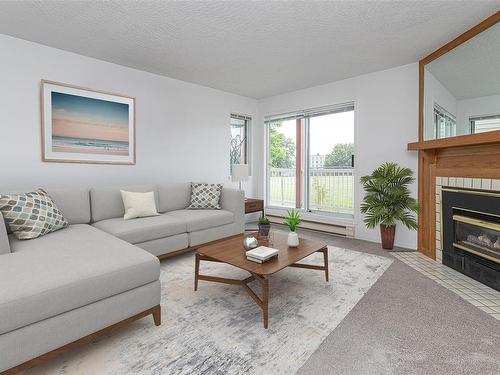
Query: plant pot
[(264, 230), (293, 239), (387, 233)]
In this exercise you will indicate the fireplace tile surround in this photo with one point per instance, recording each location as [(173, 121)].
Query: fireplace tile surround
[(458, 182)]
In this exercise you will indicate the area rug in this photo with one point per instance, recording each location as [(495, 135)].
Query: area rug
[(219, 330)]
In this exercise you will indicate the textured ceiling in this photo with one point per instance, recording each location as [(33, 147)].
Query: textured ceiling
[(257, 48), (472, 69)]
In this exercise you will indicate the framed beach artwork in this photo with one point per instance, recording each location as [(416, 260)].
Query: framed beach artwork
[(84, 126)]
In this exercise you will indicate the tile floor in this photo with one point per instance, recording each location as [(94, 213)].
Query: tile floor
[(480, 295)]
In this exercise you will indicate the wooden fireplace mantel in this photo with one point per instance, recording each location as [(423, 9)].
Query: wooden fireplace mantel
[(459, 141)]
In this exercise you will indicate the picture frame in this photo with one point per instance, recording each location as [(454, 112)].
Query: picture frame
[(81, 125)]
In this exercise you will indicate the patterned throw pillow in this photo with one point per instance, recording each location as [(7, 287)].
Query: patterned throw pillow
[(205, 196), (31, 215)]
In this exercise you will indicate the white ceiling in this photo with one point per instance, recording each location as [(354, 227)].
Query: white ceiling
[(472, 69), (253, 48)]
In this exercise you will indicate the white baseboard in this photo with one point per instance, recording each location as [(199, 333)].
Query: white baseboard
[(338, 229)]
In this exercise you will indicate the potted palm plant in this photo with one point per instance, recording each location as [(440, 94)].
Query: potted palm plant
[(388, 200), (292, 220)]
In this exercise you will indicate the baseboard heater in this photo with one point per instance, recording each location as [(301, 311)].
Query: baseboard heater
[(337, 229)]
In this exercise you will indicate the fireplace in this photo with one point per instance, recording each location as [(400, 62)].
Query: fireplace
[(470, 222)]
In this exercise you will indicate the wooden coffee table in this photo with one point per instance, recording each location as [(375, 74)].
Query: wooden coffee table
[(231, 251)]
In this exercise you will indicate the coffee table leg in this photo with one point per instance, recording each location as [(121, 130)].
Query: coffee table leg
[(265, 301), (196, 270), (325, 257), (264, 283)]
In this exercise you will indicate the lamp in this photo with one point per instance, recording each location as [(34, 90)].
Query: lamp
[(240, 173)]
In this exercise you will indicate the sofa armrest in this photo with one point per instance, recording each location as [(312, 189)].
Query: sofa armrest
[(234, 200), (4, 238)]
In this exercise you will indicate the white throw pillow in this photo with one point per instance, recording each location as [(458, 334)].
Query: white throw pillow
[(138, 204)]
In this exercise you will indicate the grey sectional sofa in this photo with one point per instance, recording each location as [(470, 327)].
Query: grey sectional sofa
[(62, 289)]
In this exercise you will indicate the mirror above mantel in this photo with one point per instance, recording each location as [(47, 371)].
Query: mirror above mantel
[(459, 118), (460, 86)]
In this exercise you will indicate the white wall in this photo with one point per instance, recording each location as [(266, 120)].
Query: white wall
[(182, 129), (482, 106), (435, 92), (386, 120)]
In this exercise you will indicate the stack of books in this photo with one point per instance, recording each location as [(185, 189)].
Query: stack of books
[(262, 254)]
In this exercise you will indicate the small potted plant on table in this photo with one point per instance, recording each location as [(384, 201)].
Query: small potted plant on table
[(292, 220), (264, 227), (388, 200)]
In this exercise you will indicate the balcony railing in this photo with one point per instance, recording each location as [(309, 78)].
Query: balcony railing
[(330, 190)]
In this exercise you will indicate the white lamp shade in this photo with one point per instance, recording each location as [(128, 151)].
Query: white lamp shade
[(240, 172)]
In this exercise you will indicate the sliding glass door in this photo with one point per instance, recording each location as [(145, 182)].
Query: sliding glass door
[(282, 181), (311, 160), (331, 163)]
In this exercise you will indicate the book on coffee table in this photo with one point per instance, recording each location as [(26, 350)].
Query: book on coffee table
[(261, 253), (256, 260)]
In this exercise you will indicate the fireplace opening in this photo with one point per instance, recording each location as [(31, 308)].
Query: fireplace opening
[(470, 227), (477, 233)]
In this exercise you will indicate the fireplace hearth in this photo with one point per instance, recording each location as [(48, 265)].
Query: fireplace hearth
[(471, 233)]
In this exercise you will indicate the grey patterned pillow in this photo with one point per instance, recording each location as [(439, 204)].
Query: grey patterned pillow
[(205, 196), (31, 215)]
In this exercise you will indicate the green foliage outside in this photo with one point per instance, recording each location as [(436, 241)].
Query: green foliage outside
[(283, 151), (282, 148), (328, 193), (341, 156), (388, 199), (333, 193)]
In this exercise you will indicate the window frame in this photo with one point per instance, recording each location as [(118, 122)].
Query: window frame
[(305, 115), (247, 141), (473, 119), (437, 109)]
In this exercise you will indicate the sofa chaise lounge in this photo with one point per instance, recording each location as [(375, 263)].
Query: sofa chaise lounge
[(65, 288)]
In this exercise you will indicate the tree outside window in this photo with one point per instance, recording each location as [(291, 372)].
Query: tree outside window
[(282, 148)]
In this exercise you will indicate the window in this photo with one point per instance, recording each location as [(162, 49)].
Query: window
[(445, 124), (311, 160), (483, 124), (239, 140), (282, 163)]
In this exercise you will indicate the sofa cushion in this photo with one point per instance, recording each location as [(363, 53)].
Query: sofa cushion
[(166, 245), (202, 219), (74, 204), (142, 229), (65, 270), (4, 239), (107, 203), (174, 196), (31, 215), (216, 233)]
